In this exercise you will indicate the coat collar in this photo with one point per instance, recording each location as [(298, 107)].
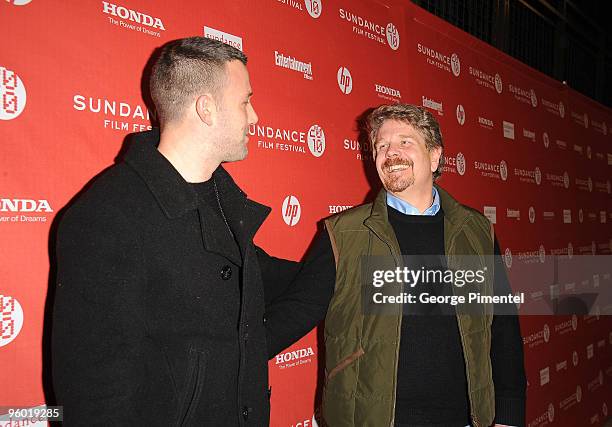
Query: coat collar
[(378, 221), (173, 194), (176, 197)]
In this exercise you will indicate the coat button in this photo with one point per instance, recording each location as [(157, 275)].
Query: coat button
[(226, 272), (245, 412)]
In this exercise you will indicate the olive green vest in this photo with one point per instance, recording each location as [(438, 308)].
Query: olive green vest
[(361, 350)]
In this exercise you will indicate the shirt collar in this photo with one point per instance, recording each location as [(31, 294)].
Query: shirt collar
[(407, 209)]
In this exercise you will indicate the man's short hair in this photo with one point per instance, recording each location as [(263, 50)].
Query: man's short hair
[(417, 117), (186, 68)]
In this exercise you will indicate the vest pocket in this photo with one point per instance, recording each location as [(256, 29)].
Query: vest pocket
[(196, 368), (344, 363)]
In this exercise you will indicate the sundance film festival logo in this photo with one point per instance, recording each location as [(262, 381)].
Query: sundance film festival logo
[(314, 7), (529, 176), (227, 38), (454, 164), (345, 80), (492, 170), (524, 95), (545, 139), (145, 22), (508, 258), (503, 170), (449, 63), (487, 80), (537, 338), (383, 34), (116, 112), (291, 210), (557, 109), (460, 114), (532, 214), (13, 94), (11, 318), (455, 64), (316, 140), (393, 37), (544, 418)]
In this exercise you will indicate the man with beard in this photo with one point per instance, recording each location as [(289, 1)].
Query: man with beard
[(159, 306), (416, 365)]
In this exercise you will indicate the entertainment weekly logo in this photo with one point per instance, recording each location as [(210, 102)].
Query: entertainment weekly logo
[(12, 93), (11, 319), (133, 20), (291, 63), (367, 28), (313, 7), (450, 63), (291, 210), (118, 115), (24, 210), (526, 96), (455, 164), (289, 140), (227, 38), (433, 105), (484, 79), (293, 358)]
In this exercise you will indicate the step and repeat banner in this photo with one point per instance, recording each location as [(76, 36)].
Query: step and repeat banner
[(530, 153)]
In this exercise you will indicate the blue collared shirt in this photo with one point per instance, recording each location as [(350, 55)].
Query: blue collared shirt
[(407, 209)]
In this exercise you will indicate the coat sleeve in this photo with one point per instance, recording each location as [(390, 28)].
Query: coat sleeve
[(98, 328), (277, 274), (507, 355), (296, 310)]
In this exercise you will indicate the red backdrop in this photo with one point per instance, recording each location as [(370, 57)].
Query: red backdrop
[(527, 151)]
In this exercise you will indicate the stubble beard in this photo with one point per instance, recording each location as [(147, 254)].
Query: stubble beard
[(397, 182)]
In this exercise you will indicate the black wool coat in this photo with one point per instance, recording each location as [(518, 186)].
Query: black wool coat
[(158, 320)]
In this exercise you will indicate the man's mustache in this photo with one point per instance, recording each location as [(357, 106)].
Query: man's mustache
[(397, 161)]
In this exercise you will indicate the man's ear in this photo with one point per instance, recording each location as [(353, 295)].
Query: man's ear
[(435, 154), (206, 108)]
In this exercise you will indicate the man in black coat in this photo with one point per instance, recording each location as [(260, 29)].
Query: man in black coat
[(159, 316)]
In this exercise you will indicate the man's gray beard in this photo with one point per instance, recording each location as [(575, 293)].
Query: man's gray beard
[(399, 184)]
